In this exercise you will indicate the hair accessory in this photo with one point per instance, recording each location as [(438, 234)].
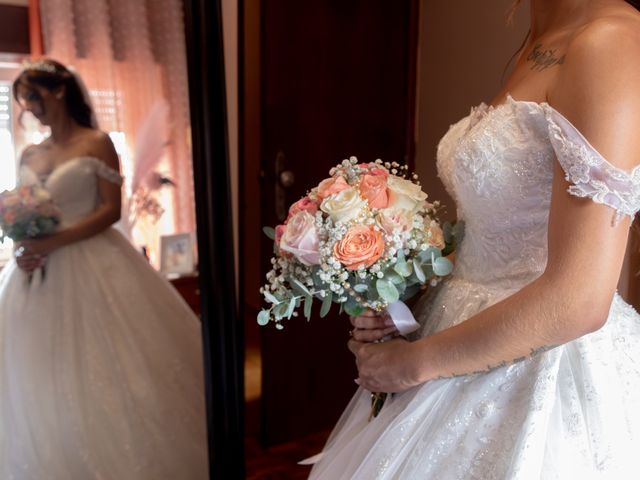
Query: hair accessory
[(39, 65)]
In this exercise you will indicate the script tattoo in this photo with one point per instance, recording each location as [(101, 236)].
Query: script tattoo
[(543, 59), (534, 352)]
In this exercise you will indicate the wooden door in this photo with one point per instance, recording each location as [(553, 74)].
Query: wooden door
[(336, 80)]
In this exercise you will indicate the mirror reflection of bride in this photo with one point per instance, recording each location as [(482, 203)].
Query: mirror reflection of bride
[(101, 368)]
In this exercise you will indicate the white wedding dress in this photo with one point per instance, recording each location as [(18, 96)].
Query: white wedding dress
[(101, 372), (569, 413)]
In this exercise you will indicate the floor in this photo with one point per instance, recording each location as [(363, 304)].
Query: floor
[(281, 461)]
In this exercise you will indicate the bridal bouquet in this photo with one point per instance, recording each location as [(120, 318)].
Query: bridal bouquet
[(27, 212), (365, 237)]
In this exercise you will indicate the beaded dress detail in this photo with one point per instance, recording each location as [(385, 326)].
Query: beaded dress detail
[(100, 362), (570, 412)]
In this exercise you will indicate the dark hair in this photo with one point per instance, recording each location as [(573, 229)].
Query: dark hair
[(50, 74), (635, 3)]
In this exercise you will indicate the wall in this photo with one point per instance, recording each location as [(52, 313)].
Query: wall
[(464, 46)]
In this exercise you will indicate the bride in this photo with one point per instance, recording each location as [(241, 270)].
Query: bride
[(527, 365), (100, 360)]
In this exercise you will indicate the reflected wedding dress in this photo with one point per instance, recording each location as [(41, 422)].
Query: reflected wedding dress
[(572, 412), (100, 361)]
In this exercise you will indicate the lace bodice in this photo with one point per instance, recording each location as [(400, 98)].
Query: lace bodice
[(497, 163), (73, 185)]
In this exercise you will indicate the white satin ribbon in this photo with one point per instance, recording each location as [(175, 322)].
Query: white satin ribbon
[(402, 318)]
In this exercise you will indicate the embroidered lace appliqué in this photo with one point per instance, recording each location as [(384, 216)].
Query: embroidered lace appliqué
[(590, 174)]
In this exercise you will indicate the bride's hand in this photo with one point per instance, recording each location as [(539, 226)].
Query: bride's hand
[(372, 326), (28, 260), (41, 246), (389, 367)]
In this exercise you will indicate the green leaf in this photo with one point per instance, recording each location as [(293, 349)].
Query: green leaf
[(280, 311), (401, 267), (291, 307), (387, 291), (417, 269), (270, 298), (326, 304), (361, 288), (393, 277), (353, 308), (269, 232), (442, 267), (297, 285), (308, 301), (263, 317)]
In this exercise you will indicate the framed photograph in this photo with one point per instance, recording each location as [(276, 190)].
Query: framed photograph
[(176, 254)]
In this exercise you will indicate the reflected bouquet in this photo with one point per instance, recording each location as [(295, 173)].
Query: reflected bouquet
[(27, 212), (365, 237)]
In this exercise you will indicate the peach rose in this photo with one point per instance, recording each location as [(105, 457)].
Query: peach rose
[(374, 189), (376, 169), (301, 239), (435, 236), (391, 219), (361, 245), (304, 204), (330, 186)]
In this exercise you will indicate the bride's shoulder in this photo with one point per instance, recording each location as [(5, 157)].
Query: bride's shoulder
[(101, 147), (612, 38)]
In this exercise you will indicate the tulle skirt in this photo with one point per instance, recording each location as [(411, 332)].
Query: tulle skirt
[(570, 412), (100, 370)]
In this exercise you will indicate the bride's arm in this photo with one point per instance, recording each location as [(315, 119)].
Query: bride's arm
[(598, 92), (107, 213)]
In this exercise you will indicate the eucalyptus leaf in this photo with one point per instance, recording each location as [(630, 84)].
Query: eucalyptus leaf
[(291, 307), (361, 288), (326, 304), (308, 301), (271, 298), (387, 290), (442, 267), (417, 269), (269, 232), (280, 310), (353, 308), (263, 317), (401, 267), (297, 285), (393, 277)]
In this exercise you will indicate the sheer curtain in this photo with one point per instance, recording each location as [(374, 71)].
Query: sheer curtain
[(132, 53)]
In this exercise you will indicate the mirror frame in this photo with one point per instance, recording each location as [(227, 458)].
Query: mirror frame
[(222, 331)]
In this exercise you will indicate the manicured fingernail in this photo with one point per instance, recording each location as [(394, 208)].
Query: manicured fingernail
[(357, 380), (389, 322)]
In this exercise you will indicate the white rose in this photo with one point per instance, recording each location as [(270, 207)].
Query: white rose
[(404, 194), (344, 206)]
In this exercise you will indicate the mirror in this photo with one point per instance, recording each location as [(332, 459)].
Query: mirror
[(103, 347)]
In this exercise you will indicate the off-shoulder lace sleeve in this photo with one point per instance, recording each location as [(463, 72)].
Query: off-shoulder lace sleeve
[(589, 173), (105, 171)]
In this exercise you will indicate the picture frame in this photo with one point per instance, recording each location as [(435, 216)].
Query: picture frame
[(176, 254)]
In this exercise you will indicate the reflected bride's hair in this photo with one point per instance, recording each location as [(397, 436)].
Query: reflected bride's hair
[(50, 74)]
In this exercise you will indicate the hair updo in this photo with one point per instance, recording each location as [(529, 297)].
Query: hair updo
[(51, 74)]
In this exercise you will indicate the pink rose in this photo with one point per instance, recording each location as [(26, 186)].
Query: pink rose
[(374, 189), (330, 186), (280, 229), (304, 204), (375, 169), (301, 239), (391, 219), (361, 245)]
